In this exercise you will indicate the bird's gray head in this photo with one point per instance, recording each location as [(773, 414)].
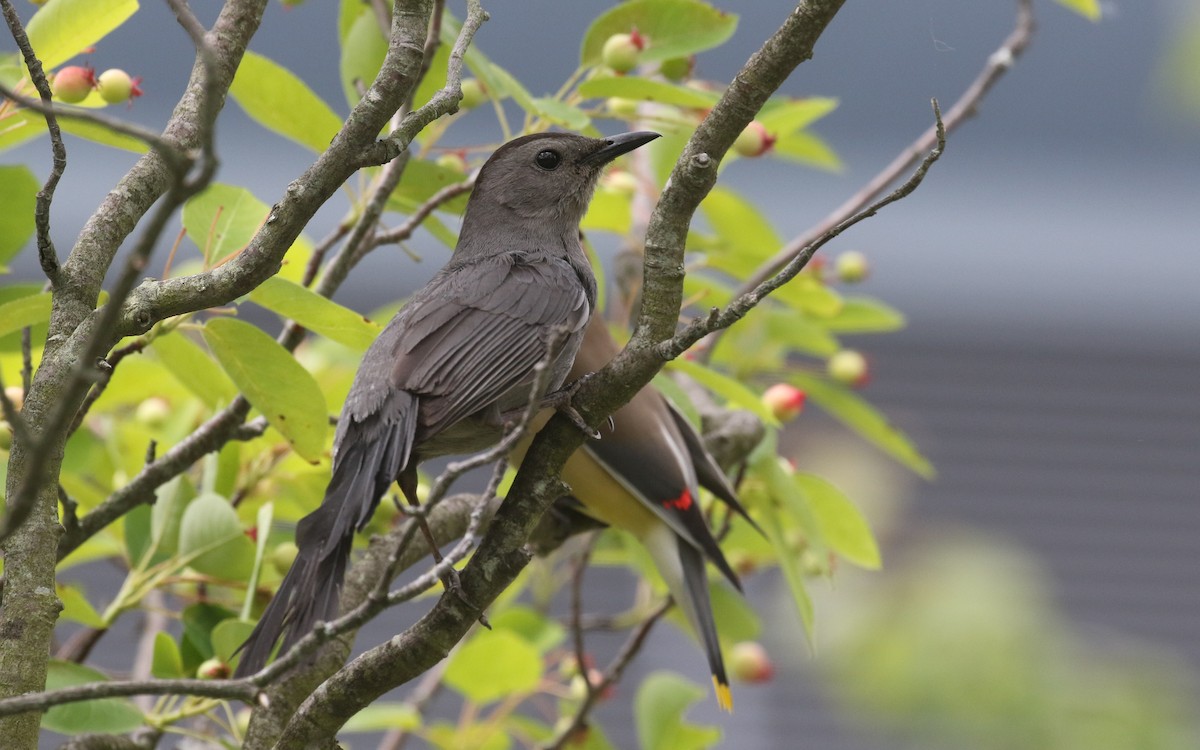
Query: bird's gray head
[(546, 177)]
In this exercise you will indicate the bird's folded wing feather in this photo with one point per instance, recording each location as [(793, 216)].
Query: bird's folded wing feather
[(482, 330)]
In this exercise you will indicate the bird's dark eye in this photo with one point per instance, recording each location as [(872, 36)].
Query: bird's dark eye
[(547, 159)]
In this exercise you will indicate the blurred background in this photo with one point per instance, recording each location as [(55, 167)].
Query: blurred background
[(1044, 590)]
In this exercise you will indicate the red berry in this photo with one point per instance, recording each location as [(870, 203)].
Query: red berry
[(785, 401), (213, 669), (453, 160), (852, 267), (622, 51), (754, 140), (748, 662), (73, 83), (474, 93), (677, 68), (849, 368), (117, 86)]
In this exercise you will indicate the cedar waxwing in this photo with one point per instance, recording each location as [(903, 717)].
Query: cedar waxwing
[(643, 477), (460, 354)]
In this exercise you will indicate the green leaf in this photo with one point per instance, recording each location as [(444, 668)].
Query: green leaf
[(18, 195), (223, 219), (1089, 9), (212, 537), (807, 149), (674, 28), (560, 113), (194, 368), (167, 663), (24, 311), (789, 564), (166, 515), (273, 382), (99, 134), (494, 664), (384, 715), (228, 636), (863, 315), (810, 295), (104, 715), (136, 525), (421, 179), (316, 313), (726, 387), (782, 117), (647, 90), (77, 608), (609, 211), (842, 524), (735, 618), (861, 417), (658, 711), (363, 50), (745, 233), (277, 99), (198, 623), (64, 28), (539, 630)]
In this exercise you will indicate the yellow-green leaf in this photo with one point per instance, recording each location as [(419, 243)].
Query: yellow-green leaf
[(842, 524), (18, 195), (64, 28), (726, 387), (673, 28), (223, 219), (805, 148), (1089, 9), (77, 608), (561, 113), (781, 117), (167, 663), (494, 664), (24, 311), (381, 716), (363, 50), (647, 90), (861, 417), (277, 99), (194, 368), (273, 382), (864, 315), (317, 313), (99, 134), (211, 536), (104, 715), (659, 707)]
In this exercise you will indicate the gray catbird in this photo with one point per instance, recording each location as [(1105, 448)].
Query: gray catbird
[(643, 477), (455, 358)]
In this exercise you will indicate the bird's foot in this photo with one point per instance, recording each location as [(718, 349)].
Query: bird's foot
[(453, 585), (560, 400)]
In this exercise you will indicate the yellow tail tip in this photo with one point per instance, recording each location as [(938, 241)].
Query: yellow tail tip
[(724, 695)]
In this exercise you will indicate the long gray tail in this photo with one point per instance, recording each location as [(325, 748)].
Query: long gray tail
[(370, 457)]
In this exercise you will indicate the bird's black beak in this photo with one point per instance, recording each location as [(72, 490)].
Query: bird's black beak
[(616, 145)]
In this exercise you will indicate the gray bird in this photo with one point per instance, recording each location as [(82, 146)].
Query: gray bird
[(460, 354)]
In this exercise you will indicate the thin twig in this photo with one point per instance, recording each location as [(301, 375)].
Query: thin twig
[(612, 675), (405, 230), (47, 255)]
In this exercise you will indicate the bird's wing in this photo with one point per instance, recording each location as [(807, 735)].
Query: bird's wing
[(711, 477), (480, 330), (647, 455)]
